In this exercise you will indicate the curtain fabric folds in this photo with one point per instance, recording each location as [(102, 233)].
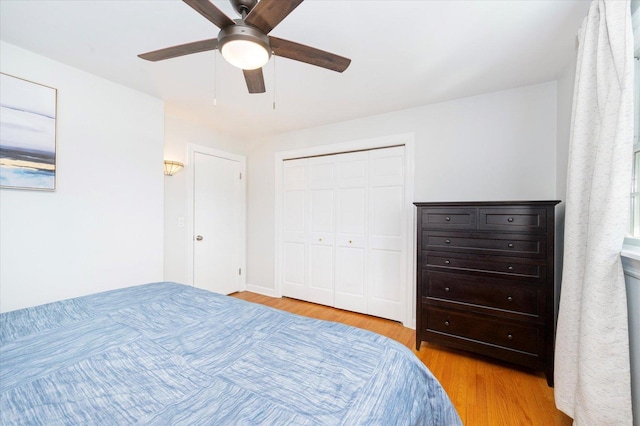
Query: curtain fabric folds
[(592, 367)]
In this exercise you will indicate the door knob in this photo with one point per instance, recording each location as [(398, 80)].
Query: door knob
[(198, 237)]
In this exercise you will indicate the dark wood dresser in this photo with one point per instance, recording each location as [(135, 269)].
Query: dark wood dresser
[(485, 279)]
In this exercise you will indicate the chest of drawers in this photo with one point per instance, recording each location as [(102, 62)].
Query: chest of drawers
[(485, 279)]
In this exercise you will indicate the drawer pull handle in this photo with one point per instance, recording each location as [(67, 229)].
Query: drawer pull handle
[(447, 261), (446, 323), (510, 336), (510, 245), (509, 299), (509, 219), (447, 218), (319, 239), (509, 268), (447, 289), (447, 241), (350, 241)]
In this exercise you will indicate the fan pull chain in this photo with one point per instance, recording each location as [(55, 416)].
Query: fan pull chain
[(274, 82), (215, 77)]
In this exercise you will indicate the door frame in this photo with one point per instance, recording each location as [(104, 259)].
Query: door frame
[(192, 149), (405, 139)]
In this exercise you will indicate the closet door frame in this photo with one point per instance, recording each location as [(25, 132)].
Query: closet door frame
[(406, 140)]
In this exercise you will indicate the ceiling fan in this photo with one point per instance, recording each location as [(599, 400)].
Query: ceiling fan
[(244, 42)]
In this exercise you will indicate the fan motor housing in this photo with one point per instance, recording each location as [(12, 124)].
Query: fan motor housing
[(243, 7)]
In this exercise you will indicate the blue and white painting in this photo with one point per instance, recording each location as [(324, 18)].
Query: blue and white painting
[(27, 134)]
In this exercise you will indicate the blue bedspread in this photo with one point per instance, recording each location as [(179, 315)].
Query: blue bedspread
[(166, 353)]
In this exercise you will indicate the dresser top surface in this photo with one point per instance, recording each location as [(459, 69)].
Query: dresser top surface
[(486, 203)]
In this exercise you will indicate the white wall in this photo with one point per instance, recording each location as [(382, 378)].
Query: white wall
[(499, 146), (102, 227), (181, 129), (566, 81)]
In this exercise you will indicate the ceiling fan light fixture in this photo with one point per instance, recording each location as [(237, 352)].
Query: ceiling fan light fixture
[(244, 47)]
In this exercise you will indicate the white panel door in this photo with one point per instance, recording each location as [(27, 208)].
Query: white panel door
[(218, 211), (387, 246), (294, 262), (321, 230), (351, 231)]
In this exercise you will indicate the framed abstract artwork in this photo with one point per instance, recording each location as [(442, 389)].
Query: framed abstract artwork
[(27, 134)]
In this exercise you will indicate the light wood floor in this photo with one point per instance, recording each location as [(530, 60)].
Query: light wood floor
[(485, 392)]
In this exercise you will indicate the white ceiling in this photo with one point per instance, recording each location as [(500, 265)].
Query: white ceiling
[(404, 54)]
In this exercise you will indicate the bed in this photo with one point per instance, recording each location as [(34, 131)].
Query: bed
[(166, 353)]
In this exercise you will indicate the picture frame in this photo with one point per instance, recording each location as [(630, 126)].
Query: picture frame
[(28, 129)]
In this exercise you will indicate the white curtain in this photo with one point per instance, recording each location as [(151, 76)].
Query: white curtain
[(592, 369)]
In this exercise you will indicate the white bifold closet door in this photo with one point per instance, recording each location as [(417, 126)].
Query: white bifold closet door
[(343, 223)]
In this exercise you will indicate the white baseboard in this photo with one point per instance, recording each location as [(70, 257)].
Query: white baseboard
[(411, 324), (265, 291)]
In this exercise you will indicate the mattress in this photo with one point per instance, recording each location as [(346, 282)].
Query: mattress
[(166, 353)]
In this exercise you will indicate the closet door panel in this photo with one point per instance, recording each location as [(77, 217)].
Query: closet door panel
[(294, 174), (387, 166), (352, 208), (295, 243), (295, 200), (350, 282), (321, 217), (294, 271), (353, 169), (351, 250), (351, 233), (321, 172), (321, 232), (386, 221), (386, 233), (321, 274), (385, 274), (294, 208)]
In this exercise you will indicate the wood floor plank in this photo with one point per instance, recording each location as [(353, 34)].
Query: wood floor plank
[(485, 392)]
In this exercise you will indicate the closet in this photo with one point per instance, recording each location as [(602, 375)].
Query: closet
[(344, 239)]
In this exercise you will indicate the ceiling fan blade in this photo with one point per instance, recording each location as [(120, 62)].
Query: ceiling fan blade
[(255, 80), (212, 13), (180, 50), (268, 13), (310, 55)]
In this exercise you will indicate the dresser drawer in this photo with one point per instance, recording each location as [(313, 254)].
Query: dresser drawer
[(485, 292), (520, 219), (521, 245), (511, 335), (449, 218), (529, 268)]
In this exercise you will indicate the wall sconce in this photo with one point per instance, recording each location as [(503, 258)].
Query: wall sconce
[(172, 167)]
